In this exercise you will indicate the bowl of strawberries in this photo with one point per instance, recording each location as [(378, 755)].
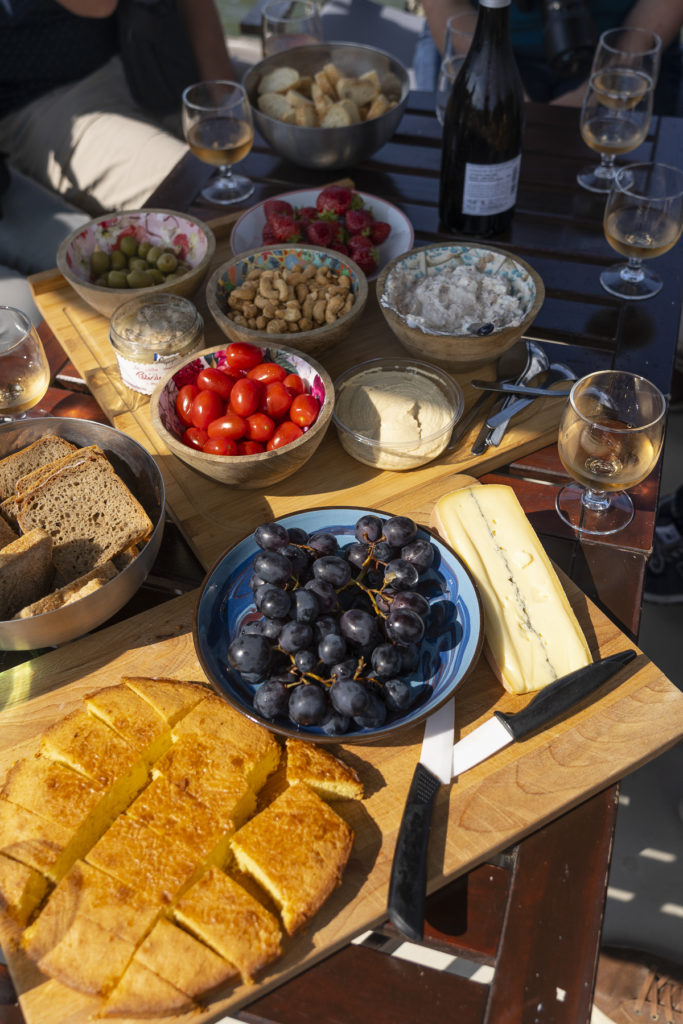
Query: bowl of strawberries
[(368, 229)]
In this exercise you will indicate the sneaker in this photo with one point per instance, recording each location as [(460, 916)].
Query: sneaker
[(664, 570), (633, 988)]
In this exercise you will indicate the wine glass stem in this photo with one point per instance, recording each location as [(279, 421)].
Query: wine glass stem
[(607, 163), (596, 501), (633, 270), (225, 171)]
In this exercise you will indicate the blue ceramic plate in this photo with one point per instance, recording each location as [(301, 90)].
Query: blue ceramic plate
[(449, 651)]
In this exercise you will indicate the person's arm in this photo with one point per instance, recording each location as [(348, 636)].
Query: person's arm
[(207, 39)]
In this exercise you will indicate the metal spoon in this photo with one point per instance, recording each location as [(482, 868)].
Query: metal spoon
[(536, 362), (556, 372), (508, 367)]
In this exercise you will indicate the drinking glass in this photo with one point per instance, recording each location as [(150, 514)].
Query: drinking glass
[(459, 31), (643, 218), (617, 108), (218, 128), (288, 23), (610, 437), (24, 369)]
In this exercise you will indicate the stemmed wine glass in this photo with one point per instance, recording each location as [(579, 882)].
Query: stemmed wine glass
[(459, 31), (643, 218), (24, 369), (617, 108), (219, 130), (289, 23), (610, 437)]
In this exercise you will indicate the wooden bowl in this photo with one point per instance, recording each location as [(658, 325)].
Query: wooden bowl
[(460, 352), (252, 472), (191, 238), (232, 273)]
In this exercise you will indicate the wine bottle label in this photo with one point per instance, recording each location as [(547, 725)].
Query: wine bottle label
[(490, 188)]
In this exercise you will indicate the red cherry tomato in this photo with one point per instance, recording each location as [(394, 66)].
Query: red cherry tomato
[(259, 427), (245, 397), (240, 355), (251, 447), (206, 407), (183, 403), (276, 400), (220, 446), (195, 438), (266, 372), (294, 383), (212, 379), (284, 433), (304, 410), (231, 426)]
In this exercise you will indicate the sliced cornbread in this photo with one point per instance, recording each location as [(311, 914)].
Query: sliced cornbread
[(132, 718), (21, 890), (313, 845), (39, 453), (26, 571), (52, 790), (90, 747), (202, 767), (329, 777), (142, 993), (174, 954), (87, 957), (171, 698), (224, 916), (43, 845), (81, 587)]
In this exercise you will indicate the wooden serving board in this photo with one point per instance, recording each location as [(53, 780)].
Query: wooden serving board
[(638, 715), (212, 516)]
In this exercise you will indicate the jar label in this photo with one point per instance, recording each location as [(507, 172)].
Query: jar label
[(490, 188), (144, 377)]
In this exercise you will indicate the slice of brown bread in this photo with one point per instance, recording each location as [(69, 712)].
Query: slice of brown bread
[(7, 534), (30, 480), (88, 511), (42, 451), (81, 587), (26, 571), (8, 511)]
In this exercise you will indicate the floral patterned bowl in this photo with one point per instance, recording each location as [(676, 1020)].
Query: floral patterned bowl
[(192, 240), (231, 274), (249, 471)]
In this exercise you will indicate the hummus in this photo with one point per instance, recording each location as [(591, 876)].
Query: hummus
[(405, 417)]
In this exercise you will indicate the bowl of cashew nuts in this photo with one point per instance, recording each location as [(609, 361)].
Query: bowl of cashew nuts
[(305, 296)]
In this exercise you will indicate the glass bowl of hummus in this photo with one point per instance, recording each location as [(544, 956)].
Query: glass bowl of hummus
[(396, 414)]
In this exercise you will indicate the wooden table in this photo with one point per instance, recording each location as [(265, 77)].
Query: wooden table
[(540, 903)]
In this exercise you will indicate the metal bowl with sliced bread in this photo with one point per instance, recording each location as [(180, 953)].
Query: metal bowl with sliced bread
[(82, 510)]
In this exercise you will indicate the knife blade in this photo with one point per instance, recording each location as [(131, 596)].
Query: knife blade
[(549, 703), (408, 882), (516, 389)]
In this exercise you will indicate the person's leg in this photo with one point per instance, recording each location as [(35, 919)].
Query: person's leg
[(90, 142), (34, 222)]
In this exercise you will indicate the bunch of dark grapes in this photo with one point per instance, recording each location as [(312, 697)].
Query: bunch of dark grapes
[(337, 628)]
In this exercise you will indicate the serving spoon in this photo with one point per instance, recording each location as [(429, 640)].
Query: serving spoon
[(508, 368), (535, 362)]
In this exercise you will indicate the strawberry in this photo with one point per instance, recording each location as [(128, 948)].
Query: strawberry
[(339, 232), (276, 208), (307, 213), (320, 232), (282, 226), (359, 242), (335, 199), (366, 260), (340, 247), (268, 235), (379, 231), (358, 221)]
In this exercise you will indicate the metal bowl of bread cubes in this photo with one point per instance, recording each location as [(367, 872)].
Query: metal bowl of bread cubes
[(81, 520), (327, 105), (119, 256)]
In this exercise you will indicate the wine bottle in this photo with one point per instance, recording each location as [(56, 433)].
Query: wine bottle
[(482, 141)]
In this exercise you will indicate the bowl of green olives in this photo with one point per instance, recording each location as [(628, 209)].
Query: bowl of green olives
[(119, 255)]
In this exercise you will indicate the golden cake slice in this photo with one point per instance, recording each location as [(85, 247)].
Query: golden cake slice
[(313, 845), (87, 958), (259, 751), (133, 853), (88, 746), (174, 954), (132, 718), (142, 993), (224, 916), (329, 777), (173, 813), (87, 892), (170, 698), (21, 890), (202, 767), (53, 791), (43, 845)]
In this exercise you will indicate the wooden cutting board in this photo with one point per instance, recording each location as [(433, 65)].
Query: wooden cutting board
[(521, 788), (213, 516)]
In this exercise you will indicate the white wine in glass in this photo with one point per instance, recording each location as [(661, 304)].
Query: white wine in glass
[(219, 130), (24, 369), (609, 440), (289, 23), (643, 219)]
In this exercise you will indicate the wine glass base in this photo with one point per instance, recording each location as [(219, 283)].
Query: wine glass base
[(572, 511), (596, 179), (224, 191), (619, 280)]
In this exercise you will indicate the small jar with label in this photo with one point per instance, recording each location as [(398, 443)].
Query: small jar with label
[(150, 334)]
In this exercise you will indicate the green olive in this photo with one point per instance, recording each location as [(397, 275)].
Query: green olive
[(99, 262), (167, 263), (139, 279), (156, 275), (117, 279), (102, 281), (135, 263), (117, 260), (170, 278), (143, 249), (128, 245), (153, 254)]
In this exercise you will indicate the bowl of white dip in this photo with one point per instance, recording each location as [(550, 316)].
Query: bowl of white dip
[(459, 306), (396, 414)]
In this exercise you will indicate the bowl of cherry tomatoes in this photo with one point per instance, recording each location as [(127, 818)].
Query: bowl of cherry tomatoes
[(245, 415)]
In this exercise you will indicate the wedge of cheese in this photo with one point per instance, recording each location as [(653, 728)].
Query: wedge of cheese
[(532, 635)]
